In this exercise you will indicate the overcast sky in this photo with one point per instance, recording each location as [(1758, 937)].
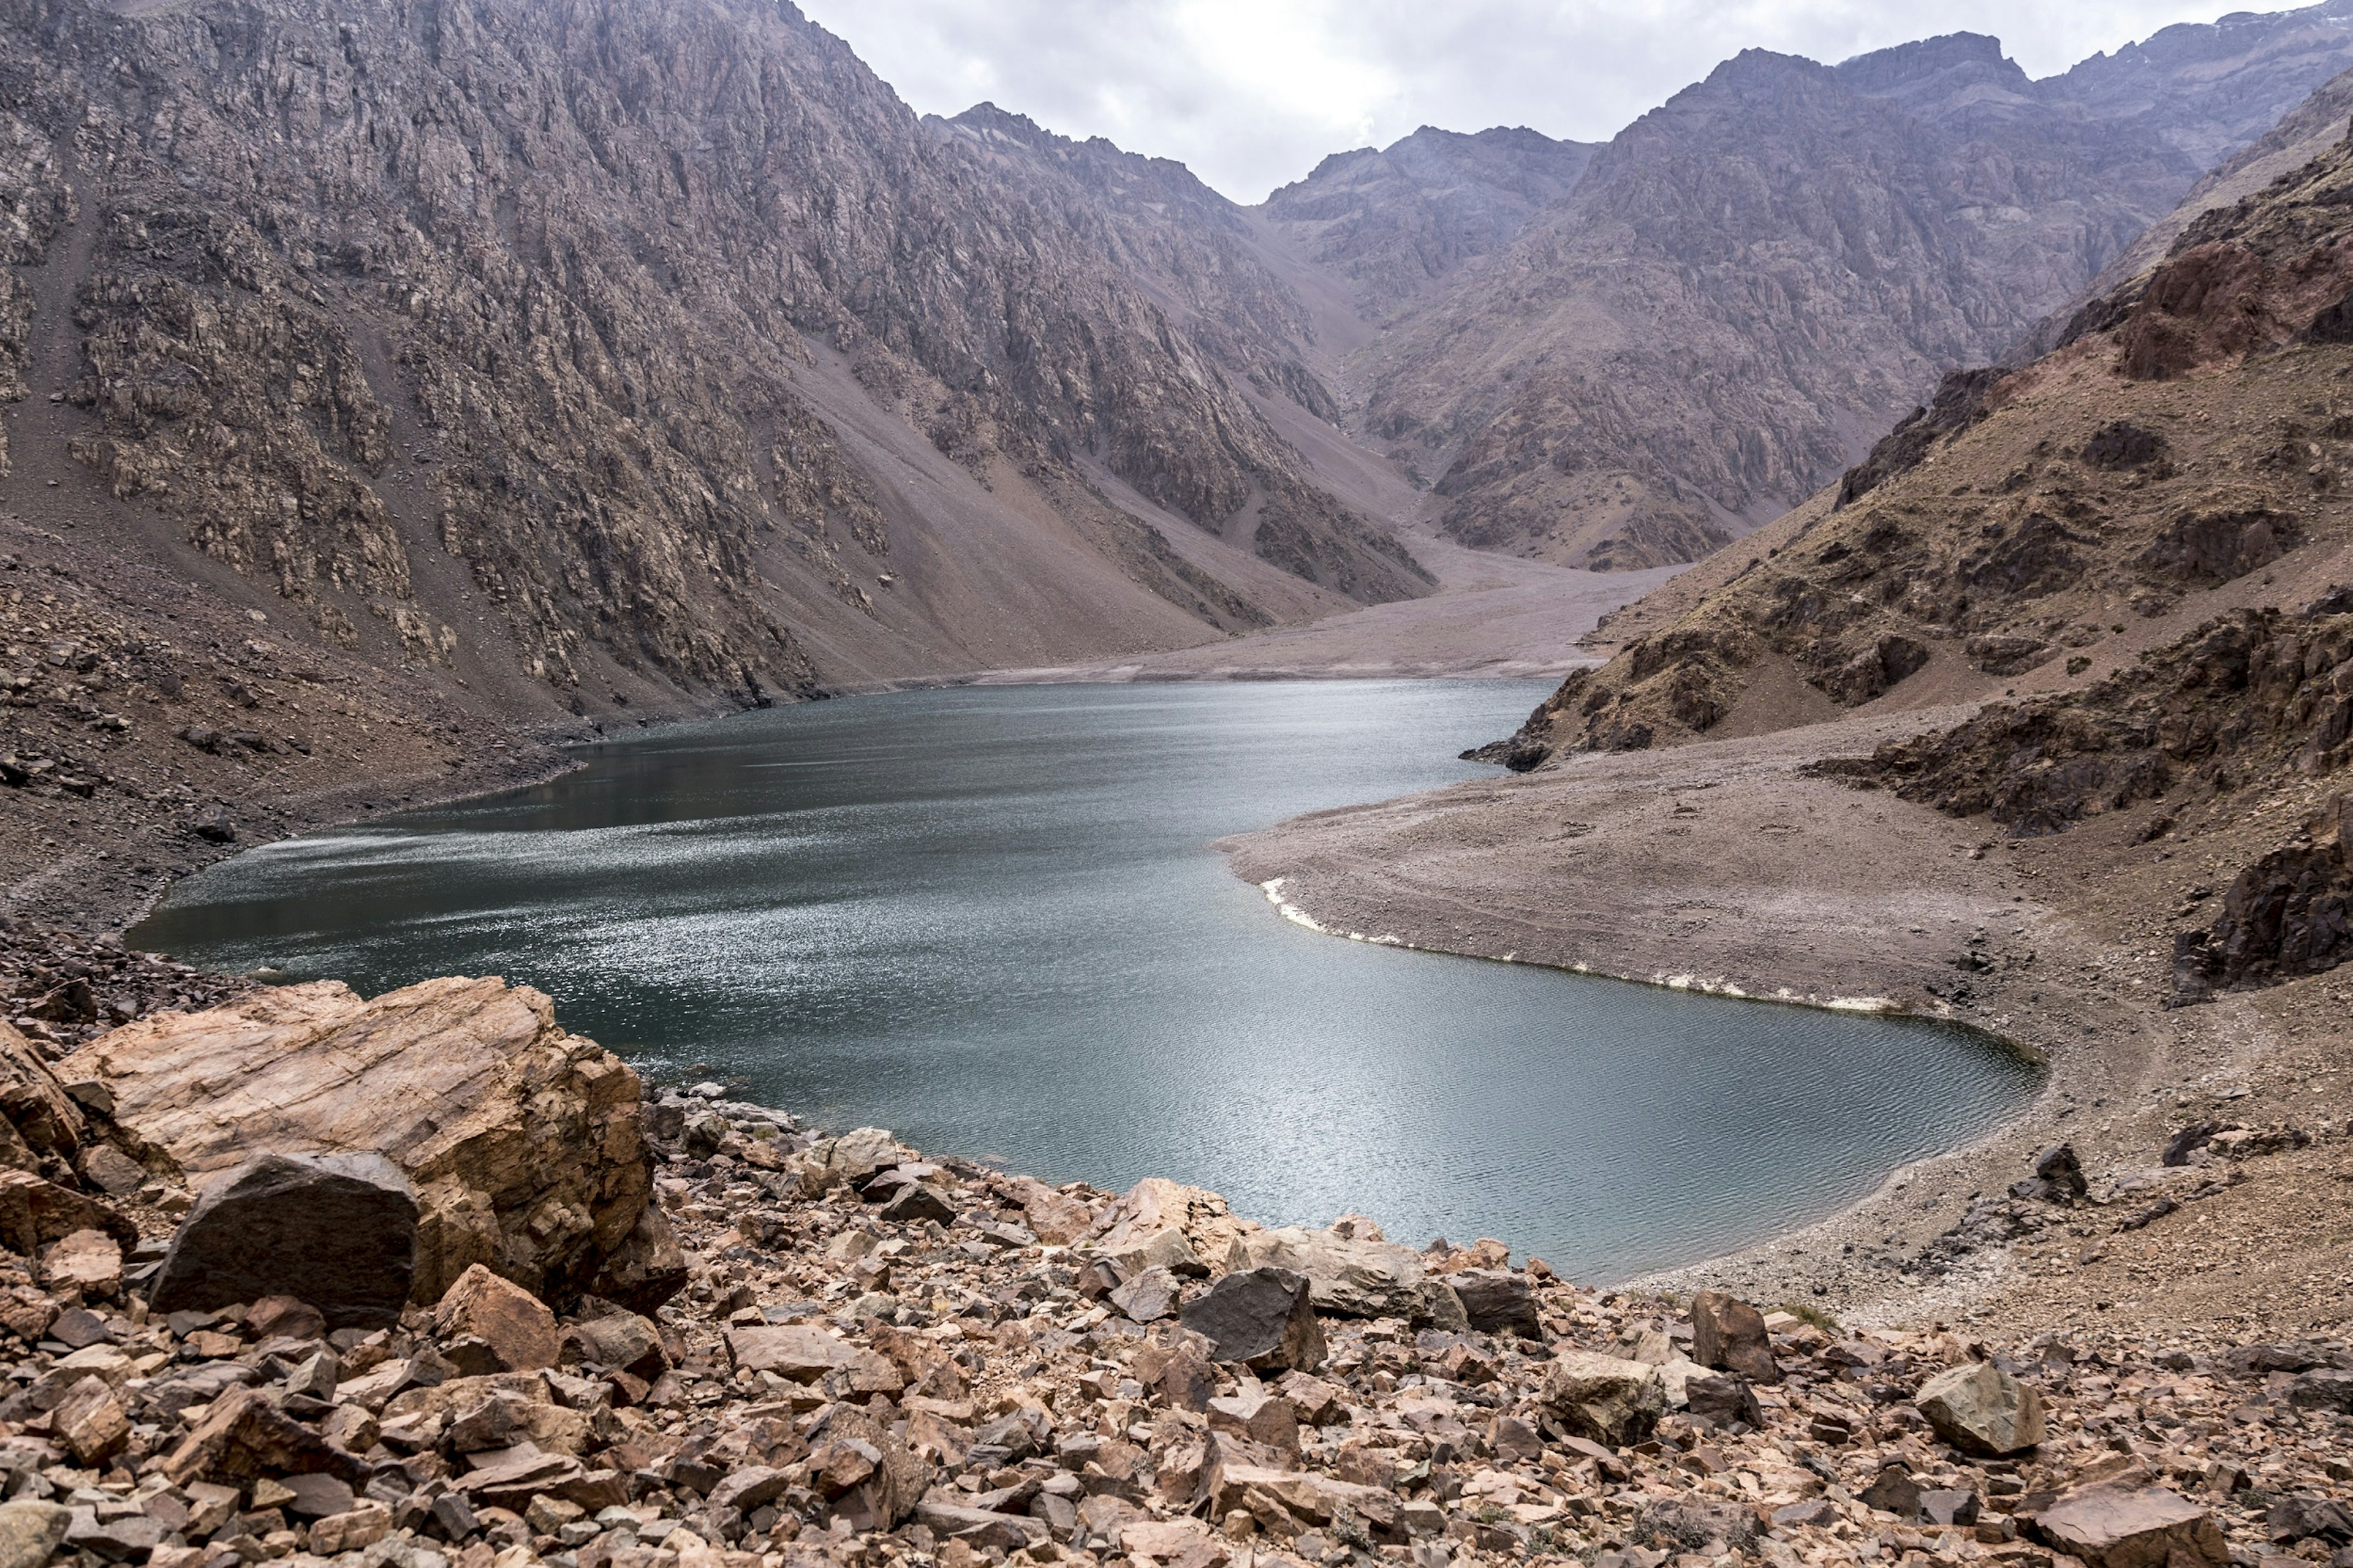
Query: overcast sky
[(1252, 93)]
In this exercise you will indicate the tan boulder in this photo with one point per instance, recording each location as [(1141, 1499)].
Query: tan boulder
[(90, 1422), (33, 1213), (1602, 1398), (37, 1116), (1352, 1276), (1057, 1218), (849, 1159), (801, 1354), (86, 1260), (524, 1141), (1161, 1223), (482, 1413), (515, 1325), (2115, 1526), (1981, 1409)]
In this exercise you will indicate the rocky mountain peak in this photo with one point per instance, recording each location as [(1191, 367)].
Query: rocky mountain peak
[(1933, 68)]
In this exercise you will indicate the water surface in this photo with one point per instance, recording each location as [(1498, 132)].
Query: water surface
[(988, 918)]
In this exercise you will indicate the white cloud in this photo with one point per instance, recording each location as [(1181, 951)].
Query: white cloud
[(1251, 93)]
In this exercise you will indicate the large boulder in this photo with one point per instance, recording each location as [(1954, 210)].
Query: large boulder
[(337, 1231), (1498, 1301), (513, 1327), (524, 1142), (1160, 1223), (1353, 1277), (2127, 1527), (41, 1127), (33, 1213), (1729, 1336), (1981, 1409), (850, 1159), (1602, 1398), (1263, 1318)]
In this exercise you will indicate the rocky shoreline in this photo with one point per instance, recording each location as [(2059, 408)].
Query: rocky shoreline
[(642, 1327)]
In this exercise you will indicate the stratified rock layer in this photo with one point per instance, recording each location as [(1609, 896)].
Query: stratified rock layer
[(524, 1141)]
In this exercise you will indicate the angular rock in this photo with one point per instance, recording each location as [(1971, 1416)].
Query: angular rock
[(753, 1487), (2323, 1389), (37, 1116), (1149, 1296), (619, 1342), (285, 1317), (1263, 1318), (86, 1260), (90, 1421), (1948, 1505), (1159, 1224), (1176, 1363), (34, 1213), (337, 1231), (1602, 1398), (1261, 1417), (111, 1170), (515, 1325), (1058, 1220), (1893, 1490), (318, 1495), (1729, 1334), (804, 1354), (916, 1203), (30, 1531), (368, 1522), (2057, 1177), (1722, 1399), (1700, 1524), (2120, 1527), (244, 1438), (1316, 1499), (524, 1142), (1981, 1409), (849, 1160), (1498, 1301), (1354, 1277), (2300, 1518)]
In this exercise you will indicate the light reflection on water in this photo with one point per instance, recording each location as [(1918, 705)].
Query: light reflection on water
[(988, 919)]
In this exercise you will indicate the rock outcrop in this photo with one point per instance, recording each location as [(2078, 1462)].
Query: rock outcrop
[(524, 1142), (2033, 518)]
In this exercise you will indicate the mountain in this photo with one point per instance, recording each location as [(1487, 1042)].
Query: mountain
[(1393, 220), (2074, 531), (1746, 284), (595, 303)]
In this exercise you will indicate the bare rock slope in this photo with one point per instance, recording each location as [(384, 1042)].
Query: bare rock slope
[(1748, 284)]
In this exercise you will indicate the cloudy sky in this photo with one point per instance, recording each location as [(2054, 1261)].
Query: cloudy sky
[(1251, 93)]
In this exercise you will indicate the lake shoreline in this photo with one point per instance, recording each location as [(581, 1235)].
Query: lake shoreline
[(1813, 1186), (1731, 864)]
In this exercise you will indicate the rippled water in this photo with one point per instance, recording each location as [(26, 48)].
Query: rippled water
[(988, 918)]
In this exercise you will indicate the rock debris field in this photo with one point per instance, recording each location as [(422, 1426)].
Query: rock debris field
[(427, 1282)]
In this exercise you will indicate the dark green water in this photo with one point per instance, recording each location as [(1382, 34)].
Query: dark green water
[(988, 918)]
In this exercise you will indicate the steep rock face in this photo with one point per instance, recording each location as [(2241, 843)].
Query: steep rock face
[(2039, 513), (1192, 251), (1751, 280), (2249, 695), (532, 282), (1393, 219)]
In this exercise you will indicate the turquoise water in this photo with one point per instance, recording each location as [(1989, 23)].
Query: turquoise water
[(988, 918)]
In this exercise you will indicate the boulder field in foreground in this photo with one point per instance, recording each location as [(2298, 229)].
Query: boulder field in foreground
[(881, 1361)]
